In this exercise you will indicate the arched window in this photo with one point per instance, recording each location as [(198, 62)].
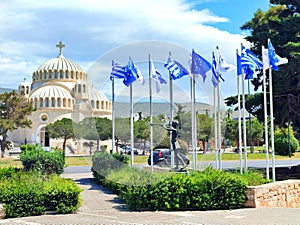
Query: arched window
[(61, 74), (69, 103), (98, 104), (35, 103), (84, 88), (64, 102), (79, 88), (47, 102), (58, 102), (55, 74), (67, 74), (93, 104), (52, 102), (102, 104)]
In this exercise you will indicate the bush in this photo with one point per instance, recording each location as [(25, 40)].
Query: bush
[(103, 162), (211, 189), (34, 157), (30, 194)]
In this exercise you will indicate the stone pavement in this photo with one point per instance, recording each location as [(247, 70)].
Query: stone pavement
[(100, 206)]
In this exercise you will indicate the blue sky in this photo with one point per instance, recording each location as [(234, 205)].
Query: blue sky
[(97, 31)]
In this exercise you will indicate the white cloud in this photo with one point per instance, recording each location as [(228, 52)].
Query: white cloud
[(90, 28)]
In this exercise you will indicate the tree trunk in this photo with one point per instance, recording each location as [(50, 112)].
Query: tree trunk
[(3, 143), (64, 146)]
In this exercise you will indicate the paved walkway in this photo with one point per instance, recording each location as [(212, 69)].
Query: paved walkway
[(100, 206)]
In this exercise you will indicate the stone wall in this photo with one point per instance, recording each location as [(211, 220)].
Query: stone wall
[(278, 194)]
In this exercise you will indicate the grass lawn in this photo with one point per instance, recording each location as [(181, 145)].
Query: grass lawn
[(142, 159)]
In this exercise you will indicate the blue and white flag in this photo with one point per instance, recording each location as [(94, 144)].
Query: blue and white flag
[(239, 69), (214, 78), (157, 77), (250, 63), (223, 66), (274, 59), (176, 69), (117, 71), (199, 65), (132, 73)]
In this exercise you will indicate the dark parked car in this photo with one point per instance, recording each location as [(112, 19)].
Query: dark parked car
[(127, 150), (162, 157)]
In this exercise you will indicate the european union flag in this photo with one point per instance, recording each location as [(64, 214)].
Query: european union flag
[(250, 63), (118, 71), (199, 65), (176, 69), (132, 73)]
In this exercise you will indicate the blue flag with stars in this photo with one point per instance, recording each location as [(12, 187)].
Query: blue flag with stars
[(199, 65)]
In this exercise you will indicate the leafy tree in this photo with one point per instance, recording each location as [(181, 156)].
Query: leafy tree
[(14, 110), (63, 128), (122, 129), (94, 128), (282, 141), (281, 24), (141, 130)]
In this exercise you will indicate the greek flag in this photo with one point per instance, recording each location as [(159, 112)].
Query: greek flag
[(132, 73), (239, 70), (214, 78), (175, 68), (250, 63), (223, 65), (274, 59), (118, 71), (157, 77), (199, 65)]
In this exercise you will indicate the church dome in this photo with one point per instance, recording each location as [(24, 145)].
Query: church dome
[(60, 69), (58, 64), (51, 96), (98, 100)]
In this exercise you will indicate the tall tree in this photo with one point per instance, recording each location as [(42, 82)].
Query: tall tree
[(281, 24), (14, 111), (63, 128)]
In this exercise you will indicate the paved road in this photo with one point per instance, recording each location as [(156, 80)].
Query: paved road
[(100, 206)]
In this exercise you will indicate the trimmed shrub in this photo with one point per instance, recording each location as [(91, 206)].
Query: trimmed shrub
[(34, 157), (103, 162), (32, 193), (207, 190)]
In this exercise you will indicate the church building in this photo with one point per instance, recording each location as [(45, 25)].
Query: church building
[(59, 89)]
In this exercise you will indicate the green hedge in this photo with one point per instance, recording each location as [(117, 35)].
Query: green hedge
[(34, 157), (31, 193), (207, 190), (103, 162)]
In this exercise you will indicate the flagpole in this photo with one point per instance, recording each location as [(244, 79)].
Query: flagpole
[(240, 126), (239, 118), (151, 117), (216, 130), (192, 84), (171, 115), (244, 125), (272, 124), (113, 116), (219, 125), (131, 126), (266, 121)]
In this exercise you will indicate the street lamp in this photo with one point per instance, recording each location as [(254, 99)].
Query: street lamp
[(289, 138)]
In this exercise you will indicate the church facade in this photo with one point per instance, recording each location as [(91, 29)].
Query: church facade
[(59, 89)]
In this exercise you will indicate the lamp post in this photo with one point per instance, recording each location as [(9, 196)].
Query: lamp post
[(289, 138)]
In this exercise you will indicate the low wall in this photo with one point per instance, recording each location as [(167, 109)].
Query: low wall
[(278, 194)]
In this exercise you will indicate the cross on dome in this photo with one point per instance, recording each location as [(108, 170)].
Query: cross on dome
[(60, 45)]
